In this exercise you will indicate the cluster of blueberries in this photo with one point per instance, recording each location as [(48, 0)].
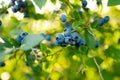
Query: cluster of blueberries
[(18, 5), (20, 37), (103, 20), (68, 37)]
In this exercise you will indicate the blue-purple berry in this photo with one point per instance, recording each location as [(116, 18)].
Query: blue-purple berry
[(106, 19), (63, 18), (48, 38), (2, 64)]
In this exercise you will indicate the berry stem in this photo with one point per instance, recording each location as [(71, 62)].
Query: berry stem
[(95, 61)]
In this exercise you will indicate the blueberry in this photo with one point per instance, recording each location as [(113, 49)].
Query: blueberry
[(106, 19), (63, 17), (67, 32), (60, 38), (68, 40), (97, 45), (57, 43), (18, 39), (12, 3), (75, 36), (48, 38), (73, 43), (100, 22), (68, 26), (98, 2), (23, 34), (27, 63), (63, 44), (82, 42), (15, 8), (2, 64), (18, 1), (0, 22), (22, 4), (84, 3)]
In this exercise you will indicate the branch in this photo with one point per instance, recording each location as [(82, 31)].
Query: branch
[(98, 68)]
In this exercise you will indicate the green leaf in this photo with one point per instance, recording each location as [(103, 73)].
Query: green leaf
[(113, 52), (90, 41), (75, 15), (94, 24), (40, 3), (77, 24), (44, 49), (31, 41), (5, 49), (113, 2), (53, 1)]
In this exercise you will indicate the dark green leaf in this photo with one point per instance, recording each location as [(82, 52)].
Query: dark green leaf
[(77, 24), (5, 49), (113, 52), (94, 24), (53, 1), (75, 15), (40, 3), (31, 41), (44, 49), (113, 2), (90, 41)]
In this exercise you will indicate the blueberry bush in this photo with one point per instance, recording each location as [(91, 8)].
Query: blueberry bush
[(71, 42)]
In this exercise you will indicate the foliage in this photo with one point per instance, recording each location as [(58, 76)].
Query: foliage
[(37, 57)]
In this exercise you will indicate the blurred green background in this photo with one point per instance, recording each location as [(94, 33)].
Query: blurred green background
[(60, 63)]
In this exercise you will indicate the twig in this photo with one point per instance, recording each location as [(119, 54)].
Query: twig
[(98, 68)]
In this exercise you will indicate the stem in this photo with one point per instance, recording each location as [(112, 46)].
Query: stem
[(98, 68)]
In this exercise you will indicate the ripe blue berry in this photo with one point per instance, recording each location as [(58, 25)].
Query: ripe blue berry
[(15, 8), (98, 2), (63, 17), (68, 40), (22, 4), (106, 19), (0, 22), (60, 38), (100, 22), (67, 32), (23, 34), (2, 64), (27, 64), (67, 26), (63, 44), (75, 36), (18, 39), (84, 3), (57, 43), (97, 45), (82, 42), (12, 3), (48, 38)]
